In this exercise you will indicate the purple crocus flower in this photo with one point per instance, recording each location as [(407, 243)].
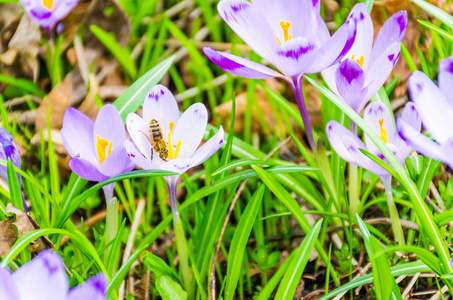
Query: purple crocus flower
[(180, 135), (290, 34), (47, 13), (8, 149), (435, 106), (366, 66), (347, 144), (44, 278), (97, 148)]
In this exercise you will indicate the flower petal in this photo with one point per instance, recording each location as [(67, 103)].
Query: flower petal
[(208, 148), (294, 56), (380, 68), (445, 78), (419, 142), (92, 289), (190, 129), (42, 278), (334, 49), (77, 135), (252, 27), (8, 288), (346, 144), (109, 126), (161, 105), (239, 66), (412, 118), (433, 107), (179, 165), (138, 129), (392, 31), (375, 113), (137, 157), (118, 162), (63, 7), (349, 80), (86, 170), (40, 14)]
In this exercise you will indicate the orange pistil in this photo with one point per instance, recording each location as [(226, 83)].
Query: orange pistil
[(285, 27), (48, 3), (101, 144), (383, 134), (359, 61)]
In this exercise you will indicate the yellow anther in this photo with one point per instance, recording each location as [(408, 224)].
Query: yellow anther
[(178, 146), (285, 27), (48, 3), (359, 61), (279, 40), (101, 144), (383, 134), (170, 145)]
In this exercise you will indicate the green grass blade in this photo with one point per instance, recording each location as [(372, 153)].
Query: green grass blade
[(23, 84), (239, 242), (133, 97), (14, 187), (293, 275), (436, 12)]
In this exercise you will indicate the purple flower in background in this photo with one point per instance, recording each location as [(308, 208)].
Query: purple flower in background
[(8, 149), (366, 66), (164, 140), (435, 106), (47, 13), (347, 144), (291, 35), (44, 278), (97, 148)]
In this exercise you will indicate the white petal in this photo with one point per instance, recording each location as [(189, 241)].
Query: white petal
[(138, 130)]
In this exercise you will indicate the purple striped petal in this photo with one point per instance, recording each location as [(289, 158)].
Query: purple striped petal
[(109, 126), (375, 113), (208, 148), (63, 7), (411, 117), (239, 66), (349, 79), (422, 144), (179, 165), (138, 130), (190, 129), (92, 289), (392, 31), (86, 170), (42, 278), (381, 67), (445, 78), (77, 135), (137, 157), (346, 144), (295, 56), (117, 162), (434, 109), (8, 288)]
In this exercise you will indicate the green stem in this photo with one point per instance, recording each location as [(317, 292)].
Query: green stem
[(111, 224), (394, 217), (181, 246), (353, 189)]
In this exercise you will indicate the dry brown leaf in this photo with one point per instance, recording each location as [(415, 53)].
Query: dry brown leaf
[(18, 224), (58, 100), (88, 106)]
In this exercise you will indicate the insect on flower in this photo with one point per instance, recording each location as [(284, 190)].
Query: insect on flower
[(157, 141)]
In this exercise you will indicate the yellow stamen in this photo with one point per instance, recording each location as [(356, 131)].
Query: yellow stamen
[(170, 145), (101, 144), (48, 3), (359, 61), (285, 27), (279, 40), (383, 134), (178, 146)]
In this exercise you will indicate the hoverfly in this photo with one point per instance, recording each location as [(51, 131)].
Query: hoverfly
[(156, 139)]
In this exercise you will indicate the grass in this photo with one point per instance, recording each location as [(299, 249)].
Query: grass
[(254, 212)]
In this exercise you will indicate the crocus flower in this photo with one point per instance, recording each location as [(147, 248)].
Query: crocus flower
[(347, 144), (366, 66), (181, 135), (8, 149), (97, 148), (290, 34), (435, 106), (47, 13), (44, 278)]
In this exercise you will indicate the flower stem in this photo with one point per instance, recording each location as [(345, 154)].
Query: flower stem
[(179, 233), (296, 85), (396, 224), (111, 226), (354, 182)]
